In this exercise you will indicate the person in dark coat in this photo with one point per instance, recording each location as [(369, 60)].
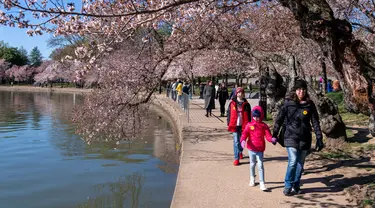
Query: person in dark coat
[(209, 98), (233, 92), (296, 116), (250, 89), (222, 95), (201, 89)]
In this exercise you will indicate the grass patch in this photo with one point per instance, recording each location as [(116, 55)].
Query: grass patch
[(349, 133), (368, 202), (353, 119), (335, 155), (337, 97), (369, 147)]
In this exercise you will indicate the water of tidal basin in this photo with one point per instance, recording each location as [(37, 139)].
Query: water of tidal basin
[(44, 164)]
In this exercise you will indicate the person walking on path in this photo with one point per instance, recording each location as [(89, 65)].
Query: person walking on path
[(209, 98), (295, 116), (253, 138), (222, 95), (185, 96), (238, 115), (201, 89), (169, 88), (250, 89), (174, 93), (179, 92), (233, 92)]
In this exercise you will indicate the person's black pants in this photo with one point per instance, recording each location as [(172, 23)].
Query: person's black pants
[(222, 106)]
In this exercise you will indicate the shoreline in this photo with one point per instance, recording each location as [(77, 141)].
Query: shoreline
[(43, 89)]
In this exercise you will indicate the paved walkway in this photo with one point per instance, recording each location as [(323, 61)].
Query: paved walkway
[(207, 177)]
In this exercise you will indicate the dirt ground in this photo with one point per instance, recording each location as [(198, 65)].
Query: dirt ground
[(351, 170)]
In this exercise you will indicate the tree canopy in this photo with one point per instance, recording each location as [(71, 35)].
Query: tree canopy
[(12, 55), (166, 34), (35, 57)]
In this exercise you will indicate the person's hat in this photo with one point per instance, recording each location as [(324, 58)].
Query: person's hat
[(239, 89), (300, 84), (256, 113)]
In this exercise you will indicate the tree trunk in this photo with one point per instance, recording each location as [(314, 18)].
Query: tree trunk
[(192, 84), (352, 60), (276, 91), (226, 80), (324, 71), (330, 120)]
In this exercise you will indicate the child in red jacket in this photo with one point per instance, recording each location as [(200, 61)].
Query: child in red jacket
[(253, 138)]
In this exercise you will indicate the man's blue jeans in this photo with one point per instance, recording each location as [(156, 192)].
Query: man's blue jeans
[(236, 143), (296, 160)]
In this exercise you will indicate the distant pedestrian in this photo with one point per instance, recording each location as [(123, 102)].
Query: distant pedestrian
[(190, 90), (238, 115), (185, 96), (174, 92), (233, 92), (250, 89), (169, 88), (209, 98), (222, 95), (201, 89), (179, 92), (253, 138)]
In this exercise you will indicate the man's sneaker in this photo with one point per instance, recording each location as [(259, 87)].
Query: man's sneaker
[(287, 192), (241, 155), (252, 181), (296, 191), (263, 187), (236, 162)]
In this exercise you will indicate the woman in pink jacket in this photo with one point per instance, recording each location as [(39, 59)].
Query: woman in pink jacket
[(253, 137)]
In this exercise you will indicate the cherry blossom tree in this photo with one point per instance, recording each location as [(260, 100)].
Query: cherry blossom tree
[(108, 24), (3, 67)]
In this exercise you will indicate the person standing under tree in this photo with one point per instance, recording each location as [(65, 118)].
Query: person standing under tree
[(238, 115), (250, 89), (222, 95), (233, 92), (209, 98), (201, 89)]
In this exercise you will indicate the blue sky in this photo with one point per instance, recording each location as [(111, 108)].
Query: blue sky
[(16, 37)]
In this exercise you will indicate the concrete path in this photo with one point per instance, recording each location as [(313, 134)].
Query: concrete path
[(207, 177)]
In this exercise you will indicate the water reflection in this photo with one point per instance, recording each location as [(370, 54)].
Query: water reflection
[(124, 193), (39, 146)]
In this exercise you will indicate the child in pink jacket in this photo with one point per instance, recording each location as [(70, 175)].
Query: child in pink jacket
[(253, 138)]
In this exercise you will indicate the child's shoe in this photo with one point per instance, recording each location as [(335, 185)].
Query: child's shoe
[(236, 162), (241, 155), (252, 181), (263, 187)]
